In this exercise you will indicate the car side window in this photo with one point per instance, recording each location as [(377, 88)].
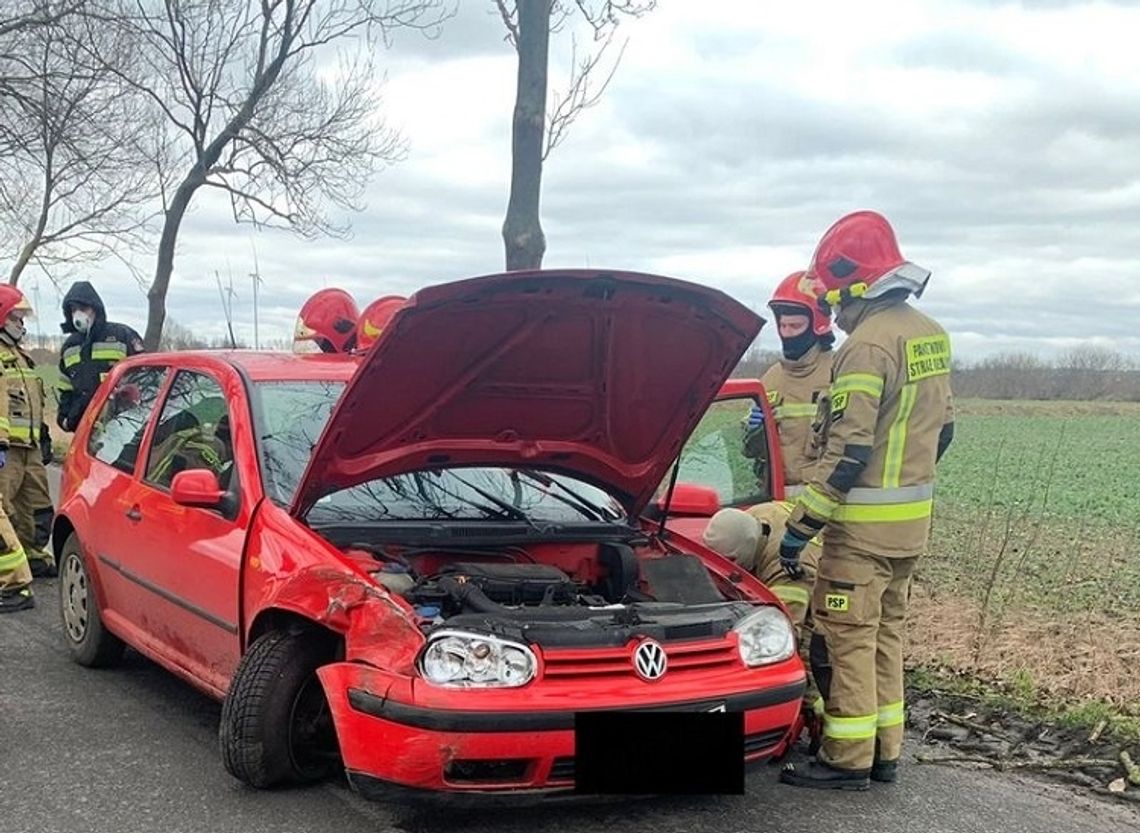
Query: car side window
[(118, 430), (720, 455), (193, 432)]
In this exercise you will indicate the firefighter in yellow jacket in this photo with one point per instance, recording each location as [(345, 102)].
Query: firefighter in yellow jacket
[(889, 420), (794, 384), (25, 519), (752, 539)]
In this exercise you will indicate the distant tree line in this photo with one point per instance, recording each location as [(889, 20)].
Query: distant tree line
[(1084, 373)]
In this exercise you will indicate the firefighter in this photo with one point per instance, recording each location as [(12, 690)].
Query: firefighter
[(889, 420), (374, 319), (93, 346), (752, 539), (23, 476), (199, 446), (327, 323), (25, 505), (795, 383)]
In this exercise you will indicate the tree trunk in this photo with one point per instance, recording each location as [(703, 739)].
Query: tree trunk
[(156, 296), (41, 224), (22, 261), (522, 231)]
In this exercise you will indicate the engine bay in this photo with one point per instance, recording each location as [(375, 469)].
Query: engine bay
[(567, 595)]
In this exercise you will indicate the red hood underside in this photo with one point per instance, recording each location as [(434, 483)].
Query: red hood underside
[(596, 373)]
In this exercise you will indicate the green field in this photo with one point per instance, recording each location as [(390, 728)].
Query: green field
[(1037, 503)]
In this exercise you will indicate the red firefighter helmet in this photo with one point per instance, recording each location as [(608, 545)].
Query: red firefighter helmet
[(859, 257), (374, 319), (797, 294), (12, 300), (327, 322)]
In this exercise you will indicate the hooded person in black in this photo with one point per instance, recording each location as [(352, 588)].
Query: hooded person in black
[(92, 348)]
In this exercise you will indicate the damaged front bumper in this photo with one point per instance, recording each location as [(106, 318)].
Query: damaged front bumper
[(500, 748)]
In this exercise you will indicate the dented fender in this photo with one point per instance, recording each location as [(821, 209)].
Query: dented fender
[(376, 628)]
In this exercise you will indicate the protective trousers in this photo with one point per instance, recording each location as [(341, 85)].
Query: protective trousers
[(27, 502), (14, 570), (859, 607)]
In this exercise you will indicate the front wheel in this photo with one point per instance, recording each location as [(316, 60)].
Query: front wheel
[(88, 641), (276, 725)]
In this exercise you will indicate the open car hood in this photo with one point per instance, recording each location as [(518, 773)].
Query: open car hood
[(599, 374)]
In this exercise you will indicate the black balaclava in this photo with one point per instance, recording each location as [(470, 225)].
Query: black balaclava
[(796, 346)]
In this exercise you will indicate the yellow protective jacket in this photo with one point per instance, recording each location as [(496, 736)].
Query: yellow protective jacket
[(21, 398), (794, 388), (890, 416)]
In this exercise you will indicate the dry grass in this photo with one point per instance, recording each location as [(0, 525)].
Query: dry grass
[(1047, 654)]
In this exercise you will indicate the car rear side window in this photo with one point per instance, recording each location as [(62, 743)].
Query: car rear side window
[(192, 432), (119, 428)]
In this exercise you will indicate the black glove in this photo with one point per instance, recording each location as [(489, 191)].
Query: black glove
[(790, 548), (46, 450)]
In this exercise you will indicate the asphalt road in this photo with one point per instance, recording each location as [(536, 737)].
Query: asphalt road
[(133, 749)]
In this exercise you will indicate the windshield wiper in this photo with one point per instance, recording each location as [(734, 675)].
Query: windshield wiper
[(583, 505), (509, 509)]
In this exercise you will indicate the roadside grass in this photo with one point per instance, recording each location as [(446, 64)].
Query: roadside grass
[(1021, 697)]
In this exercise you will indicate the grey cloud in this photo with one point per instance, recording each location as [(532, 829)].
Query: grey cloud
[(1020, 197), (475, 29), (966, 51)]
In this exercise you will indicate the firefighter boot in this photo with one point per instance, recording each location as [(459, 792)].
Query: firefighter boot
[(42, 564), (820, 776), (16, 598), (885, 772)]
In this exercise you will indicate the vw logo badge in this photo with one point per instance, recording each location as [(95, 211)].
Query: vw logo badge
[(649, 660)]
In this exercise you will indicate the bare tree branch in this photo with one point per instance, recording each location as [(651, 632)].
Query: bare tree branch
[(75, 184), (260, 108), (579, 96), (39, 13)]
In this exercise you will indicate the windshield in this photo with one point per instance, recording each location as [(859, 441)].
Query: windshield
[(292, 416)]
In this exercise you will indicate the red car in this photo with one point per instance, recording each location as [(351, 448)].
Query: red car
[(417, 566)]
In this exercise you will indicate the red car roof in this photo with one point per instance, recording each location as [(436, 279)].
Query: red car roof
[(266, 365)]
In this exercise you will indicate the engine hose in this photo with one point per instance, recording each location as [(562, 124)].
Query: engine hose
[(468, 596)]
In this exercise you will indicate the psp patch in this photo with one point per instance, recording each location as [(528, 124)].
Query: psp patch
[(839, 404), (838, 602)]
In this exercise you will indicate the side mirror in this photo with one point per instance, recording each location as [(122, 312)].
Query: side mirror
[(197, 487), (693, 499)]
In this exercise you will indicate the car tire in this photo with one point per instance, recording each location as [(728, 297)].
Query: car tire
[(88, 640), (276, 727)]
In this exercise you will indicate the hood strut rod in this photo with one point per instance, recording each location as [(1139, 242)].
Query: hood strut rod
[(669, 497)]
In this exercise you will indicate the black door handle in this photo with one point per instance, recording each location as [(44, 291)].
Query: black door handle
[(134, 514)]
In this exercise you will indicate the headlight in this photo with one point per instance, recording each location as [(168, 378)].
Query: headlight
[(765, 637), (469, 660)]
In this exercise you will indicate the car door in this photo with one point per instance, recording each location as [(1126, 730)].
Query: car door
[(117, 435), (188, 558)]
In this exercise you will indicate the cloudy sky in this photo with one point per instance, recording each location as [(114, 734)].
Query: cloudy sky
[(1001, 138)]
